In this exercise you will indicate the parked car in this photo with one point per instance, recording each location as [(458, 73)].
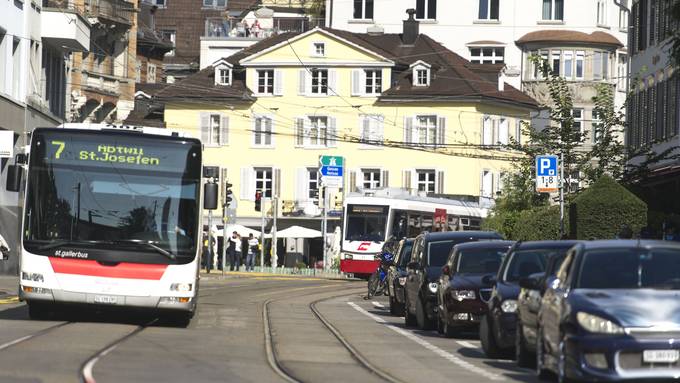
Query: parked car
[(498, 327), (396, 276), (529, 299), (461, 295), (430, 252), (614, 314)]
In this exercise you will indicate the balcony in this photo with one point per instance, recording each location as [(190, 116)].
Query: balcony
[(111, 11), (64, 26)]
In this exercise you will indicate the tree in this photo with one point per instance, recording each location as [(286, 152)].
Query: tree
[(675, 40)]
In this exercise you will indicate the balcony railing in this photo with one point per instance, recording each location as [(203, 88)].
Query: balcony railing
[(119, 11), (224, 28)]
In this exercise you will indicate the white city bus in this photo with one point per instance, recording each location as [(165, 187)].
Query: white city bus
[(369, 221), (111, 217)]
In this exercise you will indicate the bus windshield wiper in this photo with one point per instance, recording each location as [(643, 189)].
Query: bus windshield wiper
[(148, 244), (62, 242)]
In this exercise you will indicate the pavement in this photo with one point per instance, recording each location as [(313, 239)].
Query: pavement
[(226, 340)]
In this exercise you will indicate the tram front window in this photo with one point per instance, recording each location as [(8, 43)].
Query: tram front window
[(366, 223)]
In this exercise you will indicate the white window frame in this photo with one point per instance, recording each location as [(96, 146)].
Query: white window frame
[(621, 72), (603, 65), (317, 90), (417, 128), (486, 176), (310, 127), (580, 120), (427, 182), (488, 10), (556, 57), (363, 11), (219, 67), (373, 182), (258, 119), (601, 13), (266, 191), (316, 181), (375, 123), (419, 66), (160, 3), (595, 121), (568, 70), (269, 81), (481, 58), (579, 58), (372, 75), (214, 4), (623, 16), (150, 73), (318, 49), (553, 10), (426, 17), (173, 38), (212, 128)]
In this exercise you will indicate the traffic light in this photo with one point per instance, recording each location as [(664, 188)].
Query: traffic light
[(258, 200), (227, 194)]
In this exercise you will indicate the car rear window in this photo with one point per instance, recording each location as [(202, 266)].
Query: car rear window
[(480, 261), (524, 263), (630, 269)]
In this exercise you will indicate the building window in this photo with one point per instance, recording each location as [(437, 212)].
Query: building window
[(138, 71), (600, 65), (426, 9), (372, 127), (425, 130), (601, 13), (224, 76), (426, 180), (568, 64), (363, 9), (623, 15), (370, 178), (159, 3), (263, 181), (150, 73), (315, 131), (555, 62), (596, 125), (422, 77), (488, 10), (553, 10), (319, 81), (373, 81), (214, 3), (319, 49), (313, 184), (487, 184), (262, 132), (621, 73), (577, 114), (265, 81), (214, 129), (169, 35), (318, 131), (580, 57), (487, 55)]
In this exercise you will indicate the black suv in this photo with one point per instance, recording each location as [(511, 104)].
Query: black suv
[(497, 329), (396, 276), (430, 252)]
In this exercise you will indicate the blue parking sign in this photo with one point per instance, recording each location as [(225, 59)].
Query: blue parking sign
[(547, 176)]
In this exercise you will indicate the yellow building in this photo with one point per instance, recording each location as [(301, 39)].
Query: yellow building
[(402, 110)]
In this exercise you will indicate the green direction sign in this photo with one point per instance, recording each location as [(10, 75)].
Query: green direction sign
[(335, 161)]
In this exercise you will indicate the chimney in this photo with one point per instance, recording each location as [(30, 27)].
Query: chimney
[(501, 80), (411, 28)]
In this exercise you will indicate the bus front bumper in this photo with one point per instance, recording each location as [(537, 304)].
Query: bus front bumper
[(174, 303)]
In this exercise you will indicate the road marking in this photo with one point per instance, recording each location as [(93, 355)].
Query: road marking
[(6, 301), (446, 355), (10, 212), (296, 289), (466, 344), (378, 304)]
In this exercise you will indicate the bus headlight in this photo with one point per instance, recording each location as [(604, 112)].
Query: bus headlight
[(35, 277), (183, 287)]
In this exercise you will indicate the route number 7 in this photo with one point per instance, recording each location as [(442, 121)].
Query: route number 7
[(61, 145)]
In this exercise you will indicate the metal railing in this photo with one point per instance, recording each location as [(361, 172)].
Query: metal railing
[(224, 28), (120, 11)]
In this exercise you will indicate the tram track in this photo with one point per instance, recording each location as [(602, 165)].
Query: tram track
[(288, 375), (36, 334)]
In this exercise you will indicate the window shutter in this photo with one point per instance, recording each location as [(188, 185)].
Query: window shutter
[(487, 131), (257, 130), (365, 128), (299, 131), (332, 82), (277, 182), (332, 133), (503, 131), (380, 130), (278, 82), (302, 185), (302, 82), (356, 82), (406, 179), (496, 184), (518, 131), (352, 181), (247, 184), (385, 179), (253, 84), (441, 140), (224, 130), (205, 128), (440, 182), (269, 130), (408, 129)]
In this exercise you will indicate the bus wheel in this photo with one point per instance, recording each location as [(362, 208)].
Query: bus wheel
[(38, 311)]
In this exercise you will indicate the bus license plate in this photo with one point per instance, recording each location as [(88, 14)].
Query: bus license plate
[(660, 356), (105, 299)]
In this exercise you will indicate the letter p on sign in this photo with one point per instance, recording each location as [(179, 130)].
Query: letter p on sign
[(545, 168)]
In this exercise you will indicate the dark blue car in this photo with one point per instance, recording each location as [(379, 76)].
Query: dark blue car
[(613, 313)]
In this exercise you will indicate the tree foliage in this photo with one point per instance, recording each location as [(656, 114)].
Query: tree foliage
[(675, 40)]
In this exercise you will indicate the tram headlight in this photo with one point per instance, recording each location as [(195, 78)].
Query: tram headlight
[(182, 287), (35, 277), (349, 257)]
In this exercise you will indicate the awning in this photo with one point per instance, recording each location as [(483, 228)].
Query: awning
[(296, 232), (242, 230)]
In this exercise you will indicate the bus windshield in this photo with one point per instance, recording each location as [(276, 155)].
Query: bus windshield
[(366, 223), (129, 195)]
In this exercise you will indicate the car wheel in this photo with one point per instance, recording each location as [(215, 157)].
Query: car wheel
[(38, 311), (487, 339), (421, 316), (541, 371), (393, 306), (449, 331), (523, 356), (409, 319)]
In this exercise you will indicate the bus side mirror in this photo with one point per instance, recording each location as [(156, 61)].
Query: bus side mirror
[(14, 175)]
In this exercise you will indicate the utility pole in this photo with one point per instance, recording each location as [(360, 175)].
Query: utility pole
[(561, 194), (275, 208), (324, 227), (262, 237)]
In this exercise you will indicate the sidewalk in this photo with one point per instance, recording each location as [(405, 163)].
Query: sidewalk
[(268, 272), (8, 285)]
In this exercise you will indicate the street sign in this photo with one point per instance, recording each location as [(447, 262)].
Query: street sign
[(332, 170), (547, 175), (6, 144)]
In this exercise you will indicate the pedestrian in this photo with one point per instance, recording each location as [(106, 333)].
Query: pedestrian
[(244, 250), (253, 247), (207, 258), (234, 251), (4, 248)]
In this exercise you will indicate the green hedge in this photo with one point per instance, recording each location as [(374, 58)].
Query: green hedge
[(601, 211), (542, 223)]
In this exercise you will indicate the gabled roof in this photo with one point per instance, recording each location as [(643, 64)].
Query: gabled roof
[(201, 87)]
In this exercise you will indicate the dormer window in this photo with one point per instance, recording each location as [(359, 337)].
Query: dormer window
[(223, 74), (421, 73), (319, 49)]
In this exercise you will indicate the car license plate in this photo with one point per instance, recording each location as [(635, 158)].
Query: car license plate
[(105, 299), (660, 356)]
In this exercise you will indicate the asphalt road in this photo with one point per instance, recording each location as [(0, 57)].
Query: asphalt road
[(247, 329)]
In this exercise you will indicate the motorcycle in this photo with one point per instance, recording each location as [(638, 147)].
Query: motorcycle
[(377, 282)]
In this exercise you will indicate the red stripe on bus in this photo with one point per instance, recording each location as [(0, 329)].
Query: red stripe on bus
[(95, 269)]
